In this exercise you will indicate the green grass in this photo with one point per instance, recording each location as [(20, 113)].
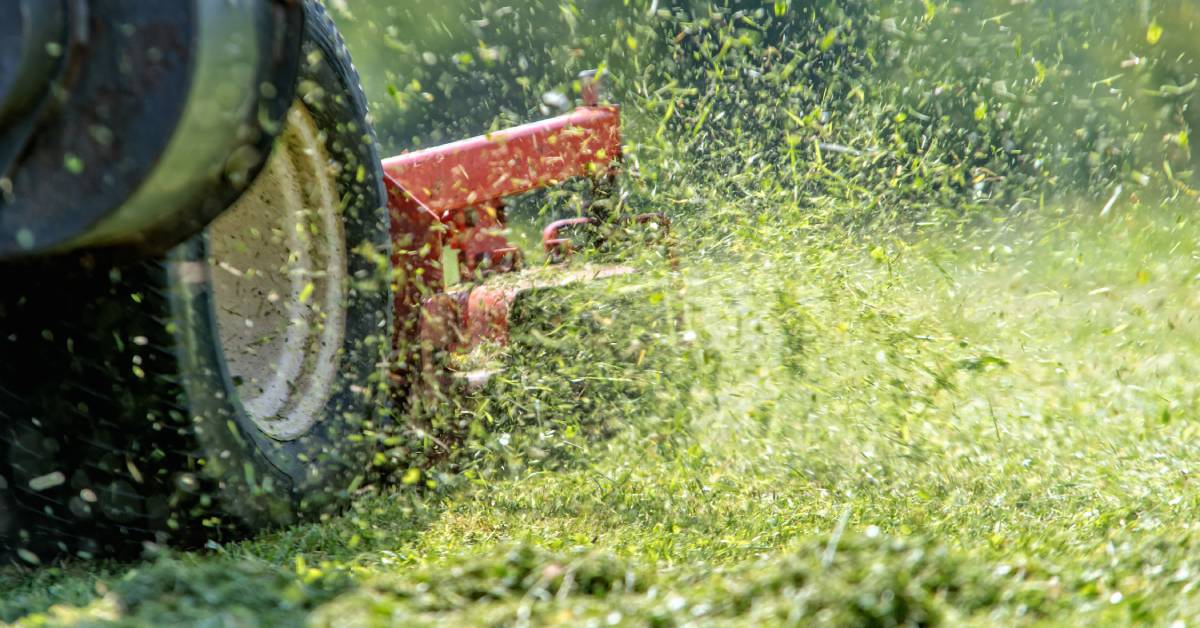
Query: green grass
[(993, 427), (882, 408)]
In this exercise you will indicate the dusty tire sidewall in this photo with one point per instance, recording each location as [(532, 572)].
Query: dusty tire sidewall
[(266, 481)]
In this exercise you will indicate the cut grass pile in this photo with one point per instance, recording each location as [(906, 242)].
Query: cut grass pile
[(975, 422), (993, 427)]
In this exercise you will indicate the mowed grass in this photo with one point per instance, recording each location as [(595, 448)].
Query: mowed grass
[(996, 425)]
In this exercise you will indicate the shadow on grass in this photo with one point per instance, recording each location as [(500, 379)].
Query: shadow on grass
[(275, 577), (581, 368)]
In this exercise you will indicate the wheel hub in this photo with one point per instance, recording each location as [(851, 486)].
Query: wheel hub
[(278, 284)]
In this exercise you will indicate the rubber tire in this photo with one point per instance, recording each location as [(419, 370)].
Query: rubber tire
[(119, 424)]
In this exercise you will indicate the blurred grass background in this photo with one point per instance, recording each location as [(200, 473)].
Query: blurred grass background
[(928, 103)]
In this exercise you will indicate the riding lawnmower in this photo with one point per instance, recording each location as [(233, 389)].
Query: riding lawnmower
[(211, 284)]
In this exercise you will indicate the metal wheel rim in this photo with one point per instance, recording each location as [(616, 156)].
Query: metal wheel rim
[(279, 280)]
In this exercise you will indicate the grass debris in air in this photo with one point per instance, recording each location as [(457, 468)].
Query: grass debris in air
[(930, 355)]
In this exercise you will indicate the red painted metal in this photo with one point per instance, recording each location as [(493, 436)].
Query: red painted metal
[(477, 234), (450, 199), (553, 242), (456, 321), (484, 170), (558, 246), (460, 320), (418, 237)]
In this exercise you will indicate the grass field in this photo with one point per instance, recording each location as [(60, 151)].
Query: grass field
[(994, 426)]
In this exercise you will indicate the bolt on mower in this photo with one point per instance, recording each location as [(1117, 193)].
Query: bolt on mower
[(211, 281)]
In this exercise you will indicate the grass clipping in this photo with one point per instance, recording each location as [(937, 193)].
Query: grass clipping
[(906, 372)]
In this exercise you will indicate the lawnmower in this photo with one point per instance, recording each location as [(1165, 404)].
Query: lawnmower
[(210, 282)]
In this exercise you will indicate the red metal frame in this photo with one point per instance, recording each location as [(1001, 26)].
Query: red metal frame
[(558, 246), (446, 204), (484, 170)]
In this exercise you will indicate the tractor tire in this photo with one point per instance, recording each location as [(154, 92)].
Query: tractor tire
[(229, 386), (146, 122)]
